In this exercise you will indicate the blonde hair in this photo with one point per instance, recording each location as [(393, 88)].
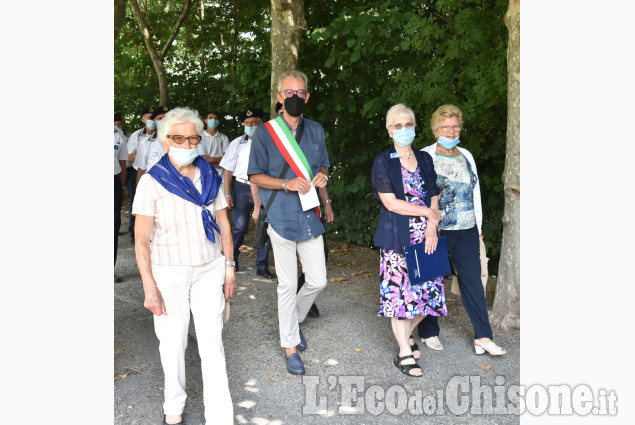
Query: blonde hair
[(445, 111), (399, 109), (295, 74)]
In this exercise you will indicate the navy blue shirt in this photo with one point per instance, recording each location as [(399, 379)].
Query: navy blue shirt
[(285, 214), (393, 231)]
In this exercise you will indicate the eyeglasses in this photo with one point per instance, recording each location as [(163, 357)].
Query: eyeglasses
[(179, 140), (400, 126), (447, 128), (288, 93)]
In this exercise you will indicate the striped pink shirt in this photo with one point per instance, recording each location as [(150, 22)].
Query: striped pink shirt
[(178, 237)]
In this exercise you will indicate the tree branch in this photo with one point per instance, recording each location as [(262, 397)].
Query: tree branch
[(168, 43)]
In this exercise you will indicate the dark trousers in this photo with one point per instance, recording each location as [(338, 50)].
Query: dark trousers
[(463, 247), (118, 195), (241, 213), (131, 187)]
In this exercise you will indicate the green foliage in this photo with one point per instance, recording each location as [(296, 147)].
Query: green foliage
[(203, 69), (364, 57), (361, 57)]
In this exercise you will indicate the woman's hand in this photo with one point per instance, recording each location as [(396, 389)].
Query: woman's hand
[(154, 302), (230, 282), (430, 238), (299, 184), (434, 216)]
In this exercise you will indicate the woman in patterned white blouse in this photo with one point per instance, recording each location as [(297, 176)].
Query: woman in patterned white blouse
[(461, 218)]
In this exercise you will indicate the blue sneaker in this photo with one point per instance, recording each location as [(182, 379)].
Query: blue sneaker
[(302, 345), (295, 365)]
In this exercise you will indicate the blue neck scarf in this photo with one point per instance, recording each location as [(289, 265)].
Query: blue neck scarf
[(168, 177)]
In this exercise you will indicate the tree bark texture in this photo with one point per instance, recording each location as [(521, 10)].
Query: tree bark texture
[(506, 310), (120, 15), (287, 26), (156, 57)]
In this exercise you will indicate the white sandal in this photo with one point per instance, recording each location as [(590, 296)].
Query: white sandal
[(433, 342), (491, 348)]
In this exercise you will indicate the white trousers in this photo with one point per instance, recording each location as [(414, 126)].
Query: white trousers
[(199, 289), (292, 308)]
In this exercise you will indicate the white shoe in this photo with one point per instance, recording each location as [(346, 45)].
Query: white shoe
[(491, 348), (433, 342)]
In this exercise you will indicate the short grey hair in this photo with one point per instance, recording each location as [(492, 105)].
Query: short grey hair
[(295, 74), (399, 109), (179, 115)]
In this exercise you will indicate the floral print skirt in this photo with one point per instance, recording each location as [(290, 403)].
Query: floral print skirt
[(400, 298)]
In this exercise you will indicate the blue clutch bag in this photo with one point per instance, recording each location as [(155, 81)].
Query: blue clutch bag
[(423, 267)]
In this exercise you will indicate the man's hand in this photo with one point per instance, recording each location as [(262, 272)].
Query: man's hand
[(299, 184), (319, 180), (328, 212), (154, 302), (230, 203), (256, 212), (230, 282)]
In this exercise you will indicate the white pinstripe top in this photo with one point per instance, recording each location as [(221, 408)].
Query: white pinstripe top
[(178, 237)]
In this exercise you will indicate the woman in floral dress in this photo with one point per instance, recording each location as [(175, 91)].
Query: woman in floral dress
[(405, 182)]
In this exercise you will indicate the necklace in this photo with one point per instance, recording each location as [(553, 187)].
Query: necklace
[(409, 156)]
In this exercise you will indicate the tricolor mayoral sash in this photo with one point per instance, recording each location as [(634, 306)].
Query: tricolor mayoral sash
[(290, 150)]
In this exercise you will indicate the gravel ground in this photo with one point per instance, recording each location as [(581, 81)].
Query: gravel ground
[(348, 345)]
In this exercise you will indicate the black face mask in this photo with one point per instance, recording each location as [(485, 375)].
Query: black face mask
[(294, 105)]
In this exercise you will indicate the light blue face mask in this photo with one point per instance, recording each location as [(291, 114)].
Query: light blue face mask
[(158, 123), (151, 125), (404, 136), (183, 156), (249, 131), (447, 143), (212, 123)]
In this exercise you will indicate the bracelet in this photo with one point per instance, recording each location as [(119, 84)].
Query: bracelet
[(228, 194), (327, 201), (230, 263), (284, 185)]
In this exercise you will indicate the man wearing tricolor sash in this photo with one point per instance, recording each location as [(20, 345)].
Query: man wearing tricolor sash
[(294, 215)]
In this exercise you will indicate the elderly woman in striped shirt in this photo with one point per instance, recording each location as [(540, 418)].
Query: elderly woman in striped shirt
[(180, 230)]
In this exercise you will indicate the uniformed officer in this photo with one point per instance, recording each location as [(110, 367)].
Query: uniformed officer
[(121, 154), (150, 151), (131, 172), (235, 163), (214, 143), (119, 126)]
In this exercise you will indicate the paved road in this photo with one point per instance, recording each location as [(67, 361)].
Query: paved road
[(348, 345)]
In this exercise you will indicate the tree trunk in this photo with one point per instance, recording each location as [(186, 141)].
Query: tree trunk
[(120, 15), (157, 59), (506, 310), (287, 26)]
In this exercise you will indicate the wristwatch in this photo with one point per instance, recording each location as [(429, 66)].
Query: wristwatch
[(284, 185), (230, 263), (327, 201)]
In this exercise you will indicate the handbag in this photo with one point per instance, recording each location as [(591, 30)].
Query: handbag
[(260, 234), (423, 267)]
